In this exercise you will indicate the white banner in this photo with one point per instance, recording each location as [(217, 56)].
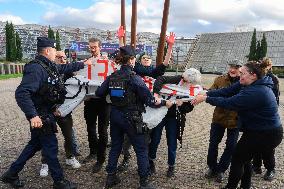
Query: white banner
[(86, 81)]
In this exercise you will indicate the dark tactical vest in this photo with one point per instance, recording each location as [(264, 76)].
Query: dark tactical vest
[(53, 90), (121, 94)]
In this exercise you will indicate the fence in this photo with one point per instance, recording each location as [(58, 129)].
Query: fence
[(11, 68)]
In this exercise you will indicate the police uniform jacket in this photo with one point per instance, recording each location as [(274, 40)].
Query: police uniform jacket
[(34, 76), (136, 83)]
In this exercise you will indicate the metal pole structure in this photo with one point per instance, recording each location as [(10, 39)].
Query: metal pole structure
[(161, 45), (177, 51), (133, 23), (123, 19)]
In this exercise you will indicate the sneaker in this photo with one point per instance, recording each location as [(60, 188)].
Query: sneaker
[(44, 170), (220, 177), (89, 158), (64, 184), (210, 174), (269, 175), (73, 162), (171, 171)]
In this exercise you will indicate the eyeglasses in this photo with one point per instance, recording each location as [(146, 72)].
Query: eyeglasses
[(93, 47), (61, 57), (146, 58)]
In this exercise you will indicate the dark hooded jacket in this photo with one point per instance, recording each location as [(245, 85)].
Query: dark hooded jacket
[(256, 104)]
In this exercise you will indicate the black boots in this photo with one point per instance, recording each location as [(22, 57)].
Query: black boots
[(111, 180), (12, 179), (145, 183), (64, 184), (89, 158), (220, 177), (97, 167), (152, 167), (171, 171)]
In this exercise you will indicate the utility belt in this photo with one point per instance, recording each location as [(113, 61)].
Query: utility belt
[(48, 125), (136, 120)]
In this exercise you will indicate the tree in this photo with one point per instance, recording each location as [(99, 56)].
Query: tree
[(263, 46), (252, 52), (8, 45), (19, 54), (11, 50), (258, 54), (57, 41), (50, 33)]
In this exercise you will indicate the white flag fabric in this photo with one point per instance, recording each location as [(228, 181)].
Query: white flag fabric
[(86, 81)]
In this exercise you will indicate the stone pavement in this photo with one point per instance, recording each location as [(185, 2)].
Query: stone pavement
[(191, 159)]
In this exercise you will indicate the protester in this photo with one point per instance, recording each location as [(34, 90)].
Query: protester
[(223, 120), (268, 159), (252, 97), (174, 121), (96, 114)]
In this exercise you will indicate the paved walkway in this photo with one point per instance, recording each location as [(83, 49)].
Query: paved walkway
[(191, 159)]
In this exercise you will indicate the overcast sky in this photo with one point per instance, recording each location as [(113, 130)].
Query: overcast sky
[(186, 17)]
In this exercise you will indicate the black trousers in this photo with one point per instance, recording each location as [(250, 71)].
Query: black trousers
[(97, 109), (250, 143), (268, 160)]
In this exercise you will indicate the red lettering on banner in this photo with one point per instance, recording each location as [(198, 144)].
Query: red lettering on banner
[(89, 72), (191, 90), (149, 82), (103, 74), (113, 66)]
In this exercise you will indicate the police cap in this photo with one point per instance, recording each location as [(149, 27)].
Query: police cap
[(43, 42), (127, 50)]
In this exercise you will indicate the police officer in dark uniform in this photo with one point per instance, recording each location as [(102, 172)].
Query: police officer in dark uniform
[(128, 94), (38, 94)]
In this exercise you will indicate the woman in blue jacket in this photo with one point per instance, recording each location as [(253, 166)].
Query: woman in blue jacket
[(252, 97)]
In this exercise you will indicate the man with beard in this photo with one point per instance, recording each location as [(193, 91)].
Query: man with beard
[(223, 120)]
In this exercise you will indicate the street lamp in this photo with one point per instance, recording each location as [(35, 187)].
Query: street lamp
[(177, 51)]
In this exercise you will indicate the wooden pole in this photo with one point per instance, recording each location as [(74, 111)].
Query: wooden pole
[(123, 19), (133, 23), (161, 45)]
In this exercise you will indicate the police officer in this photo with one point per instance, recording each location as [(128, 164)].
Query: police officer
[(40, 91), (128, 94)]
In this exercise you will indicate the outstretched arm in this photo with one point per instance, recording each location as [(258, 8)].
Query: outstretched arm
[(171, 40), (120, 34)]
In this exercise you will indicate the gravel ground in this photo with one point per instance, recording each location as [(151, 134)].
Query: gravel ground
[(191, 159)]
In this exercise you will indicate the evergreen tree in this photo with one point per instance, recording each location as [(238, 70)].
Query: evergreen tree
[(263, 46), (258, 51), (11, 50), (252, 52), (50, 33), (8, 45), (19, 54), (57, 41)]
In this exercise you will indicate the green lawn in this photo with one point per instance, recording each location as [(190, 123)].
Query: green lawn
[(3, 76)]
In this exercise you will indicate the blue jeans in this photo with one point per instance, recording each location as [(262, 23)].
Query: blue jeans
[(171, 132), (216, 134), (75, 144), (119, 125), (49, 146)]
